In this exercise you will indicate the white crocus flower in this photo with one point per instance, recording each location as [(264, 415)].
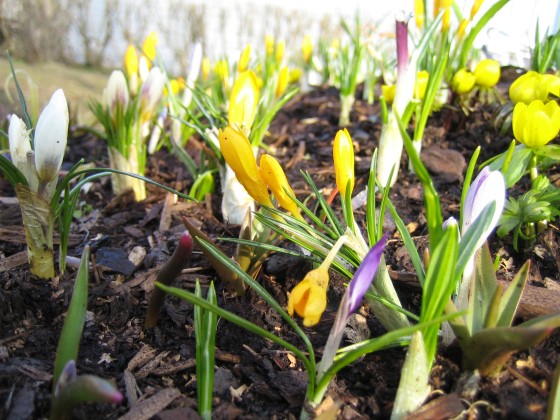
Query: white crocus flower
[(152, 92), (116, 91), (488, 186), (20, 149), (51, 135)]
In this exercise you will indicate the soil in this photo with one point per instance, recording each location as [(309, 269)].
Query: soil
[(255, 379)]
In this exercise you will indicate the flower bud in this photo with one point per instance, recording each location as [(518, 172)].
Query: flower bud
[(283, 79), (536, 124), (244, 59), (116, 92), (463, 81), (307, 49), (343, 156), (243, 101), (51, 134), (274, 176), (487, 73), (421, 84)]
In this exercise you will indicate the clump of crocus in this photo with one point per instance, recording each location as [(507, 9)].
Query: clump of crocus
[(38, 162), (126, 114)]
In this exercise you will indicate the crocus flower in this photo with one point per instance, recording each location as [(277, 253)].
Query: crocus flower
[(151, 93), (488, 186), (280, 49), (269, 44), (388, 93), (244, 59), (51, 134), (283, 79), (131, 61), (205, 69), (421, 84), (463, 81), (536, 124), (352, 300), (274, 176), (309, 298), (243, 101), (446, 19), (487, 73), (475, 7), (461, 29), (149, 47), (307, 49), (238, 153), (20, 147), (116, 93), (343, 156), (419, 13)]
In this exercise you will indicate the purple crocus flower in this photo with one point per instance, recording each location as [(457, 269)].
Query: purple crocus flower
[(351, 302)]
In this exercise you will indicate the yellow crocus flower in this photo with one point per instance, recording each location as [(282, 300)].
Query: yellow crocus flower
[(238, 153), (343, 156), (462, 27), (149, 47), (283, 79), (475, 7), (274, 176), (206, 66), (269, 44), (131, 61), (222, 70), (536, 124), (295, 75), (244, 59), (309, 298), (243, 101), (388, 92), (463, 81), (307, 49), (421, 84), (280, 50), (437, 7), (487, 73), (419, 13), (446, 19)]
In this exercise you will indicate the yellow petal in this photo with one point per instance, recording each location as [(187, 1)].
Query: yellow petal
[(149, 46), (243, 100), (283, 78), (487, 73), (343, 156), (307, 48), (131, 61), (275, 178), (419, 13), (309, 298), (238, 153), (244, 59)]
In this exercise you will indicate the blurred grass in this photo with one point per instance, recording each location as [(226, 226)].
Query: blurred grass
[(80, 85)]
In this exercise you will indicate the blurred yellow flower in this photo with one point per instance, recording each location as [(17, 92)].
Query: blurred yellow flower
[(274, 176), (487, 73), (343, 156), (309, 298), (461, 30), (419, 13), (446, 19), (295, 75), (421, 84), (463, 81), (206, 66), (307, 49), (536, 124), (149, 47), (283, 79), (280, 50), (388, 92), (131, 61), (269, 44), (244, 59), (238, 153), (243, 101), (475, 7)]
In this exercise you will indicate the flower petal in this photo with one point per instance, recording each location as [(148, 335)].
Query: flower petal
[(51, 135)]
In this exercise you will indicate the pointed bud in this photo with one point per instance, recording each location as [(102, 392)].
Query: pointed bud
[(51, 134)]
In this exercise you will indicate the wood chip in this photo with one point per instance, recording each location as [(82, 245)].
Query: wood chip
[(13, 261), (445, 407), (153, 405), (165, 220), (131, 387), (170, 368), (144, 355), (151, 365), (137, 255)]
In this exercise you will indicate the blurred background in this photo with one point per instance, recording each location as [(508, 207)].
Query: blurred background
[(96, 32)]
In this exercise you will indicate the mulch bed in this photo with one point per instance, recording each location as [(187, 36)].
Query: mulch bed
[(254, 378)]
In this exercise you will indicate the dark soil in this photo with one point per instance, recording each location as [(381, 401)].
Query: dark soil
[(254, 378)]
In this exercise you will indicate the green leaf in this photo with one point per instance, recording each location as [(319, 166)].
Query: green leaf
[(71, 334), (512, 296)]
